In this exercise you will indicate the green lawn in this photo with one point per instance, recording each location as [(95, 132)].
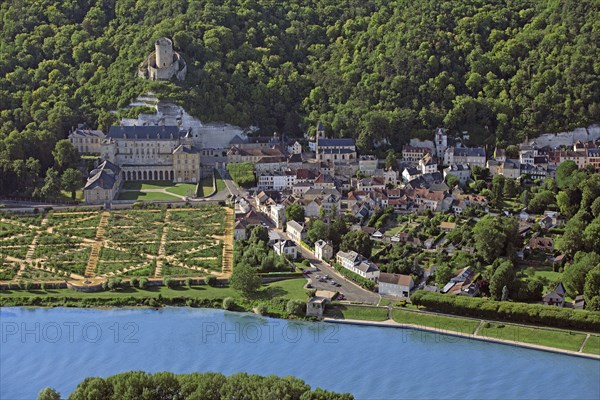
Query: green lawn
[(461, 325), (544, 337), (288, 289), (183, 189), (592, 346), (220, 183), (357, 312), (144, 185), (146, 196)]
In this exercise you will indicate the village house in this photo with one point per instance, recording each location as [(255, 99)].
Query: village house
[(324, 181), (555, 297), (369, 184), (447, 226), (460, 171), (414, 154), (295, 148), (541, 243), (286, 248), (253, 155), (410, 173), (87, 141), (356, 263), (427, 164), (474, 156), (367, 164), (277, 215), (296, 231), (390, 177), (323, 250), (305, 175), (244, 225), (395, 284), (277, 180)]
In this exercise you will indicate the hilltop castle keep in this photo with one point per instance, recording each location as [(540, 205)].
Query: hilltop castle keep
[(163, 63)]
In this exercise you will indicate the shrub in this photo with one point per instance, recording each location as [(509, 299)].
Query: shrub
[(228, 303), (143, 283), (210, 280), (170, 283), (188, 282), (134, 282), (296, 308), (114, 283)]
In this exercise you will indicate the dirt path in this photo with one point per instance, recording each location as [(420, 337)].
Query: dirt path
[(90, 270), (228, 243), (162, 245)]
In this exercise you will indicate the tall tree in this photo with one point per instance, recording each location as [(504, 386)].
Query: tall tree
[(294, 212), (245, 279), (358, 241), (65, 155), (71, 181)]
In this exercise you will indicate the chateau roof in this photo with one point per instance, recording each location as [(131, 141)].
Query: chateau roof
[(103, 177), (145, 132)]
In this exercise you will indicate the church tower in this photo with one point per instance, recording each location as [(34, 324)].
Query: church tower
[(441, 142)]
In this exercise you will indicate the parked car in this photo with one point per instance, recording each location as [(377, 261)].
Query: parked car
[(341, 297), (309, 286)]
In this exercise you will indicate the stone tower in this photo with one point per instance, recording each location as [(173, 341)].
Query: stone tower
[(163, 63), (164, 52)]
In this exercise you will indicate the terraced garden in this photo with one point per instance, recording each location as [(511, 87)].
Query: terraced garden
[(125, 243)]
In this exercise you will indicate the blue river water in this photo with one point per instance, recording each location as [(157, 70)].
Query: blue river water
[(60, 347)]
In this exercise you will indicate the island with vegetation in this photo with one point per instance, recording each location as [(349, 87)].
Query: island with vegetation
[(136, 385)]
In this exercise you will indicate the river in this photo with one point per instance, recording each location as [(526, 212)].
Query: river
[(59, 347)]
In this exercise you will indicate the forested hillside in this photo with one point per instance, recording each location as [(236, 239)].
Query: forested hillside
[(369, 68)]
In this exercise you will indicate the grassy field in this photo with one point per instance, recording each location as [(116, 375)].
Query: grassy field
[(183, 189), (559, 339), (139, 188), (146, 196), (288, 289), (592, 346), (461, 325), (145, 185), (220, 183), (357, 312)]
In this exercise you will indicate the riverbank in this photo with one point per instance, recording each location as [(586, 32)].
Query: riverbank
[(390, 323), (272, 297)]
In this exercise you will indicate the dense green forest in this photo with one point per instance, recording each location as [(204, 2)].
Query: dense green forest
[(209, 386), (370, 69)]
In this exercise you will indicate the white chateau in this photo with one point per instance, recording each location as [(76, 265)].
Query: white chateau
[(152, 153), (163, 63)]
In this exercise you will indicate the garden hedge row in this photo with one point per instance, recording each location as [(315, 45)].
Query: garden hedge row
[(365, 283), (537, 314)]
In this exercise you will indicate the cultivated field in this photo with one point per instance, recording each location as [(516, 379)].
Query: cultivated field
[(125, 243)]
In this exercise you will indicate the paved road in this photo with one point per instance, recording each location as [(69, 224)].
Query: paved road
[(351, 291), (231, 186)]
